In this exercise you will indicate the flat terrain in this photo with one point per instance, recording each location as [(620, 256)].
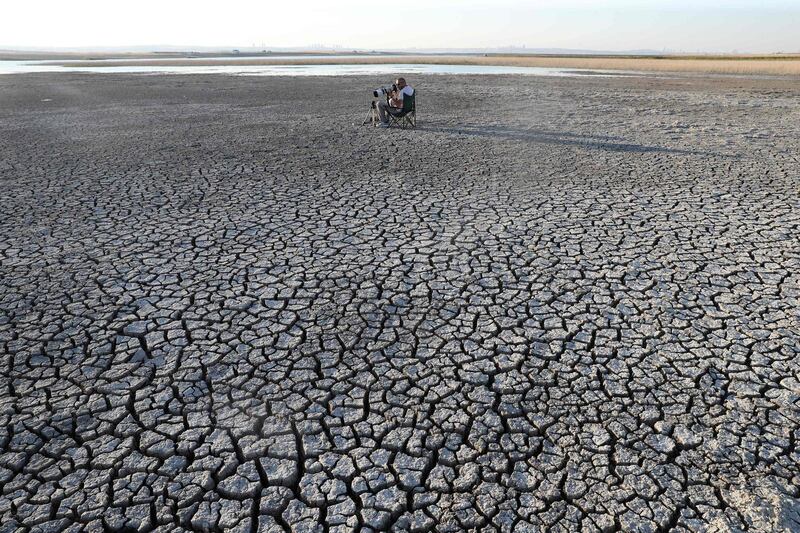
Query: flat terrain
[(564, 303)]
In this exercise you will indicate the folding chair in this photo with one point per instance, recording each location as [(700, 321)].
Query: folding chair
[(406, 117)]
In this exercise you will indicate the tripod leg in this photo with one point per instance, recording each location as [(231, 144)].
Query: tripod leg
[(370, 118)]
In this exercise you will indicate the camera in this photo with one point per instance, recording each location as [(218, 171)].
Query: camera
[(383, 91)]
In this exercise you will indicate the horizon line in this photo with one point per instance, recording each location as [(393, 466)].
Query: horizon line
[(514, 49)]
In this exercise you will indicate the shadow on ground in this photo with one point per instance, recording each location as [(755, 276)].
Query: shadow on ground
[(599, 142)]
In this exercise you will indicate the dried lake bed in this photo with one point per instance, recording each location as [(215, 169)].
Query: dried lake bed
[(561, 302)]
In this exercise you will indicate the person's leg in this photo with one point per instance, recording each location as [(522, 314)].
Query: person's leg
[(383, 111)]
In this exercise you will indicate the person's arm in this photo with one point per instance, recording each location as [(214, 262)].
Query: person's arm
[(399, 95)]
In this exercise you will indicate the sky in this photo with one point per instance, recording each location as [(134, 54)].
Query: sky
[(745, 26)]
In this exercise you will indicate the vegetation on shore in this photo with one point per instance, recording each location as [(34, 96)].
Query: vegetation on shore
[(788, 65)]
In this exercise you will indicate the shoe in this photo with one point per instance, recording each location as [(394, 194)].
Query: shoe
[(383, 125)]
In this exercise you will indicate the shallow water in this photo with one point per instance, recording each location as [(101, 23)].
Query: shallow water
[(20, 67)]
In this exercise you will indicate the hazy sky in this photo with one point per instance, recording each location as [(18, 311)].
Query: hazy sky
[(699, 25)]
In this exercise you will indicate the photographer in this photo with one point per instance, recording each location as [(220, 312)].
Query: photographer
[(395, 101)]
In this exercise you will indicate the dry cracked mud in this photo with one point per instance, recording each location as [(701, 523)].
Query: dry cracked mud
[(562, 304)]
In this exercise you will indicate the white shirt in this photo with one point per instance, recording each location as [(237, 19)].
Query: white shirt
[(406, 91)]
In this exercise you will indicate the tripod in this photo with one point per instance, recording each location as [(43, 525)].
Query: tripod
[(370, 118)]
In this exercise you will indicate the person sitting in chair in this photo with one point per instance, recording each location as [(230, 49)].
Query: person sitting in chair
[(395, 103)]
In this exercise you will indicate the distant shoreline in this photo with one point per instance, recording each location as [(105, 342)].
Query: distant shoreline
[(782, 65), (22, 55)]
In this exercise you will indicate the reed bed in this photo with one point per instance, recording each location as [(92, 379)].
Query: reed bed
[(783, 65)]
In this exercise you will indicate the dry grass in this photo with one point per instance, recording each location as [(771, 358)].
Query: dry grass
[(786, 65)]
